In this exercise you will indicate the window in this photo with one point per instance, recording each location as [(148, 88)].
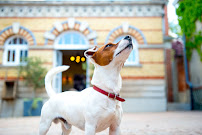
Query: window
[(71, 39), (133, 58), (15, 51)]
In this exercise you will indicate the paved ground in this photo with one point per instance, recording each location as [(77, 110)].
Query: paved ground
[(166, 123)]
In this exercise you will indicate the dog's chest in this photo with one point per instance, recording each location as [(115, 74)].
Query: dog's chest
[(102, 110), (105, 120), (107, 117)]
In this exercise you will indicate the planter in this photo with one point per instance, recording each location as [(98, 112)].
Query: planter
[(32, 107)]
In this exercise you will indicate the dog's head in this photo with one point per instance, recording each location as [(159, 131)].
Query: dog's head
[(111, 53)]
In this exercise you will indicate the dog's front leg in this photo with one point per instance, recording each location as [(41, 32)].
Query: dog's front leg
[(90, 128), (114, 130)]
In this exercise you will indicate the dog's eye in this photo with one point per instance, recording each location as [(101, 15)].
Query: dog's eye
[(108, 45)]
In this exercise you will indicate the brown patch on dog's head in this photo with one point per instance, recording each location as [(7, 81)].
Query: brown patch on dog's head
[(104, 55), (111, 53)]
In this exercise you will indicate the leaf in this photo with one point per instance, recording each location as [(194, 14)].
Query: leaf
[(189, 11)]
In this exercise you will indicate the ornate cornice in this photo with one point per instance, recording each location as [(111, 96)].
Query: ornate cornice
[(85, 9), (78, 2)]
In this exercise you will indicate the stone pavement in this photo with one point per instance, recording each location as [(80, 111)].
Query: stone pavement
[(163, 123)]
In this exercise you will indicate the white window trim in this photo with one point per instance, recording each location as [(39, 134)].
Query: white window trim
[(16, 48), (71, 46)]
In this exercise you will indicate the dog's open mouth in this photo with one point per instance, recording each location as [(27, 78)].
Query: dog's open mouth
[(128, 46)]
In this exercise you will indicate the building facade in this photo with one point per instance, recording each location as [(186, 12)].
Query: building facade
[(60, 32)]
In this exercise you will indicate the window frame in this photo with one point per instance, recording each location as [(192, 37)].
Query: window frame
[(71, 46), (135, 51), (17, 48)]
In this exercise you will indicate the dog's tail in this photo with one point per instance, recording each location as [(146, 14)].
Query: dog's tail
[(49, 78)]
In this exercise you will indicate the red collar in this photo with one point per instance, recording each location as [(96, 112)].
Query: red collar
[(110, 95)]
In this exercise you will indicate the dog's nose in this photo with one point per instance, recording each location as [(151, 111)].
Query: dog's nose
[(128, 38)]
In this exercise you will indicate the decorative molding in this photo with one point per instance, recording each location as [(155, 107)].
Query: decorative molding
[(82, 10), (58, 26), (143, 77), (148, 46), (16, 29), (83, 26), (49, 35), (70, 24), (126, 29), (92, 35)]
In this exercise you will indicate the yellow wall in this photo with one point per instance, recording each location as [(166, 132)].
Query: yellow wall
[(146, 70), (45, 55), (151, 55), (151, 65), (1, 56), (151, 60), (8, 72), (150, 26), (97, 23)]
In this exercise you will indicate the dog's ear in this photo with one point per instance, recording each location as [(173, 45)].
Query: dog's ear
[(90, 52)]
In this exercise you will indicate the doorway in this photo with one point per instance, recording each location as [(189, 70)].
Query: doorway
[(75, 77)]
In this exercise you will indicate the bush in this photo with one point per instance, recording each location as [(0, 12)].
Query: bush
[(33, 72)]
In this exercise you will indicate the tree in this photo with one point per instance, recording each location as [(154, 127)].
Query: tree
[(34, 73), (189, 12)]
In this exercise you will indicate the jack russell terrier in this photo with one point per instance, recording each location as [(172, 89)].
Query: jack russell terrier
[(96, 108)]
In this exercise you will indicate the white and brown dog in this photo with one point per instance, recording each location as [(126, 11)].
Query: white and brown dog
[(96, 108)]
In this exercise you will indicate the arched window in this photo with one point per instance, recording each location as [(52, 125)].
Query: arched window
[(133, 58), (15, 51), (71, 39)]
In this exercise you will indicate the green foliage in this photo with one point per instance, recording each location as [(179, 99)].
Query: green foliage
[(33, 72), (34, 105), (190, 11), (35, 102)]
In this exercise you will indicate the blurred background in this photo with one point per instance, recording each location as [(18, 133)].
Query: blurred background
[(36, 36)]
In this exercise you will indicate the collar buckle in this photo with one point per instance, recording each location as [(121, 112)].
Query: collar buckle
[(110, 94), (115, 96)]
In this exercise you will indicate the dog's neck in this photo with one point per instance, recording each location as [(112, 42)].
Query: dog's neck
[(108, 78)]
